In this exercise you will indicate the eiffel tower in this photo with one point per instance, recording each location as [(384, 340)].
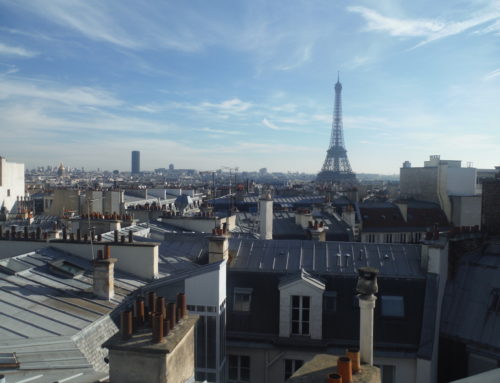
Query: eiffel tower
[(336, 168)]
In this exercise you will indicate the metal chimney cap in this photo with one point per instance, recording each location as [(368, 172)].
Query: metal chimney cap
[(368, 272), (367, 281)]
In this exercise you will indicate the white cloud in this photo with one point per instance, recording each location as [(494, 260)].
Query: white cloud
[(222, 131), (270, 125), (8, 50), (397, 27), (77, 96), (429, 29), (493, 74)]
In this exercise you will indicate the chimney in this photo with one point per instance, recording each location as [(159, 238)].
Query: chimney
[(104, 275), (318, 233), (218, 248), (266, 216), (366, 288)]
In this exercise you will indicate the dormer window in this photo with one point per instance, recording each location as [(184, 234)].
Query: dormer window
[(393, 306), (242, 299), (301, 306)]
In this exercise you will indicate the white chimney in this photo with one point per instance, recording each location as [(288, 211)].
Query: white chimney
[(266, 216), (366, 288)]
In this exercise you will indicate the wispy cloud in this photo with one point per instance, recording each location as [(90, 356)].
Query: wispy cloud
[(271, 125), (82, 96), (429, 29), (491, 75), (222, 131), (8, 50)]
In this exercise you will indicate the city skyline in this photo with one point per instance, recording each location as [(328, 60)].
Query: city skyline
[(248, 84)]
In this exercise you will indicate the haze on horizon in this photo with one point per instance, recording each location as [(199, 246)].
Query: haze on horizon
[(248, 84)]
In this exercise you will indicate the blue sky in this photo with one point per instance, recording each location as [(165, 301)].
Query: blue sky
[(248, 84)]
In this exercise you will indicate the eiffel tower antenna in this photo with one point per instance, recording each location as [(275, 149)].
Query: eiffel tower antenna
[(336, 168)]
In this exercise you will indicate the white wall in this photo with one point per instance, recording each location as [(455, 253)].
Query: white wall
[(208, 288), (199, 224), (11, 182), (406, 368), (461, 181), (137, 259)]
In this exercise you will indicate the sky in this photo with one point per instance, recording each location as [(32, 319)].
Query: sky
[(248, 84)]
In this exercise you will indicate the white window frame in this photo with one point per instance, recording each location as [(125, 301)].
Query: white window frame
[(239, 378), (294, 363), (240, 306), (301, 321)]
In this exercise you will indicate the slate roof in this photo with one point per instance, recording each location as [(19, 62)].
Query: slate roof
[(54, 324), (471, 313), (284, 226), (290, 256), (386, 216)]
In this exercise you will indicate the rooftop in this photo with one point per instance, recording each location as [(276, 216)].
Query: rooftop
[(51, 320), (318, 368)]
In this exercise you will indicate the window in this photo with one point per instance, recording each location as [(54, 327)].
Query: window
[(402, 238), (8, 192), (300, 315), (418, 236), (239, 368), (330, 301), (393, 306), (292, 365), (388, 374), (388, 238), (242, 299), (371, 238)]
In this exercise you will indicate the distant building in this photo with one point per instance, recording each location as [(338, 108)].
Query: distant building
[(491, 205), (11, 185), (171, 167), (401, 221), (136, 162), (61, 171), (446, 183)]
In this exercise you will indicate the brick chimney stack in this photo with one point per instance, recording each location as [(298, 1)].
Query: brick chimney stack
[(104, 281)]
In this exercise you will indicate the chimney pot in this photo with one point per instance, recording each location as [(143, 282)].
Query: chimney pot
[(344, 368), (107, 252), (182, 305), (334, 378), (160, 306), (157, 327), (139, 311), (126, 324), (152, 302), (353, 354)]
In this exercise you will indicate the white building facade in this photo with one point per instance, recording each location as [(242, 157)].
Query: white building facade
[(11, 185)]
